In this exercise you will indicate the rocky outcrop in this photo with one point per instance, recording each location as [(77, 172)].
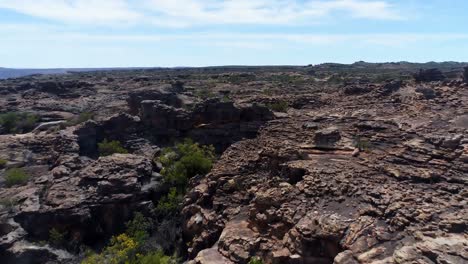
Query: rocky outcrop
[(211, 122), (376, 176), (429, 75), (163, 94), (465, 75), (298, 193)]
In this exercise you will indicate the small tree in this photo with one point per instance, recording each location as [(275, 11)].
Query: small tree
[(184, 161), (14, 122), (169, 205)]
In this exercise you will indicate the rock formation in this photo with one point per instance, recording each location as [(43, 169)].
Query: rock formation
[(310, 170), (429, 75)]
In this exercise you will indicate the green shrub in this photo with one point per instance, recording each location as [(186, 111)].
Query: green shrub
[(16, 176), (121, 250), (280, 106), (138, 228), (8, 203), (127, 248), (82, 117), (204, 93), (255, 260), (3, 163), (362, 144), (107, 148), (56, 238), (157, 257), (15, 122), (184, 161), (226, 99), (169, 204)]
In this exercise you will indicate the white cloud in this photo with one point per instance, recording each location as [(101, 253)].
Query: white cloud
[(50, 33), (75, 11), (185, 13)]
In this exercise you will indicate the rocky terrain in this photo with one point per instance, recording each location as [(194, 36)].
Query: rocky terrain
[(361, 163)]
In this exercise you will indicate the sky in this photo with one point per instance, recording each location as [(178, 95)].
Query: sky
[(170, 33)]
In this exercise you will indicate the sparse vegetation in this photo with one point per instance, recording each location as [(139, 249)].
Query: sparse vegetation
[(16, 122), (56, 238), (157, 257), (226, 99), (81, 118), (3, 163), (107, 148), (255, 260), (280, 106), (204, 93), (241, 78), (16, 176), (362, 144), (8, 203)]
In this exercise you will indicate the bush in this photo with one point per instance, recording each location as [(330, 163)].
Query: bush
[(157, 257), (107, 148), (56, 238), (281, 106), (255, 260), (122, 249), (16, 176), (8, 203), (127, 248), (169, 204), (204, 93), (184, 161), (138, 228), (14, 122), (3, 163), (362, 144), (83, 117)]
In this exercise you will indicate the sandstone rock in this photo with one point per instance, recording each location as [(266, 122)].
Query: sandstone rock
[(211, 256), (237, 241), (327, 137)]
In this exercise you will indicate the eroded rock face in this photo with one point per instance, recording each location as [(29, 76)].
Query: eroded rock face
[(100, 195), (211, 122), (300, 193), (88, 200)]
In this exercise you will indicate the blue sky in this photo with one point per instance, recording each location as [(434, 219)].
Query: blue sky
[(131, 33)]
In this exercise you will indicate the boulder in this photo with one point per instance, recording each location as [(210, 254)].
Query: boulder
[(390, 87), (327, 137), (427, 93)]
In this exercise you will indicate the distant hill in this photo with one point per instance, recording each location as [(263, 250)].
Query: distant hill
[(6, 73), (356, 67), (15, 73)]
